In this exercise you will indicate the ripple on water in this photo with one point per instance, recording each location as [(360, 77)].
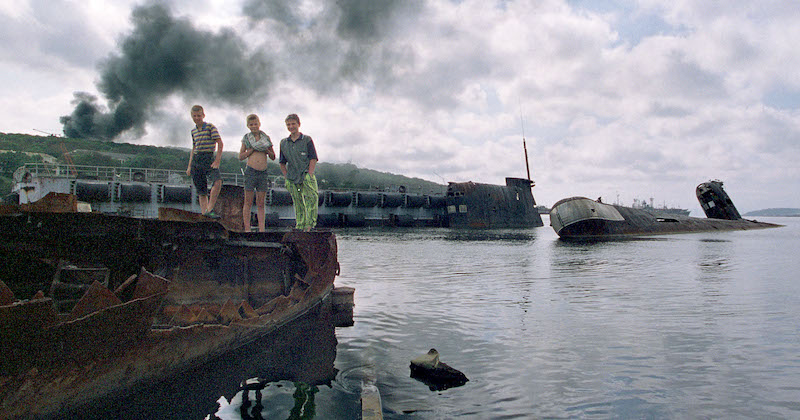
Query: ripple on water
[(686, 326)]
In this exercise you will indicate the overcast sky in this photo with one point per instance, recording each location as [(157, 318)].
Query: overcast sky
[(628, 99)]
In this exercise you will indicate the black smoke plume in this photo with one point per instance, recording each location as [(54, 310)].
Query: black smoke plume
[(344, 42), (164, 56)]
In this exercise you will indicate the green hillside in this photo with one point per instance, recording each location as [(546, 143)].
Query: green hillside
[(779, 212), (18, 149)]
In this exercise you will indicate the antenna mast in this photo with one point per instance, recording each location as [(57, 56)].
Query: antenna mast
[(525, 147)]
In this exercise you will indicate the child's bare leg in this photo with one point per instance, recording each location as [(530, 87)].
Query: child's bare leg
[(261, 197), (212, 201), (247, 209), (203, 204)]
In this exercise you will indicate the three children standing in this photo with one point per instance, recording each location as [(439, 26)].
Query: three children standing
[(298, 160)]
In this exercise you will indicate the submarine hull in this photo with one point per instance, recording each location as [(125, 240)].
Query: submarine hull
[(583, 218), (475, 205)]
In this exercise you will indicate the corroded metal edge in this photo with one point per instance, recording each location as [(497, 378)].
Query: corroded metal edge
[(145, 353)]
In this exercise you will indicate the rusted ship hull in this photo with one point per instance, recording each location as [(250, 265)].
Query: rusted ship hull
[(585, 219), (215, 291)]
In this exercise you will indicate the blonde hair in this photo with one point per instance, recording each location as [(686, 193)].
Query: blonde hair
[(292, 117), (197, 108), (253, 117)]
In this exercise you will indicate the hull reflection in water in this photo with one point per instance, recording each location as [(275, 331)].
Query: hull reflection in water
[(304, 352), (301, 383), (64, 351)]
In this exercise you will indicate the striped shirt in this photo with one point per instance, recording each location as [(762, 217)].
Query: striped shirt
[(204, 139)]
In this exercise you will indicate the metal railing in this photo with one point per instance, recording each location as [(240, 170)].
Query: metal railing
[(121, 174), (158, 176)]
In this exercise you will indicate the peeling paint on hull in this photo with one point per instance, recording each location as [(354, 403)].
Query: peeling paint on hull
[(112, 341)]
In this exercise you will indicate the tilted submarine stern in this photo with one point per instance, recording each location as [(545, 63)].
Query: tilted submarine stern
[(715, 201)]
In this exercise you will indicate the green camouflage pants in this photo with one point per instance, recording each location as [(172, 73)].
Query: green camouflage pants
[(305, 198)]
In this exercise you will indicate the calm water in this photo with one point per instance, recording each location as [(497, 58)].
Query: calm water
[(682, 326)]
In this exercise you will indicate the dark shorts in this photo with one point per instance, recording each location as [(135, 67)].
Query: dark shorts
[(202, 172), (255, 180)]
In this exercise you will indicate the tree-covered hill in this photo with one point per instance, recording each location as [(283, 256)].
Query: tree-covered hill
[(18, 149), (779, 212)]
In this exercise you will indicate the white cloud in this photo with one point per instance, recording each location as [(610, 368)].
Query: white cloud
[(639, 99), (54, 35)]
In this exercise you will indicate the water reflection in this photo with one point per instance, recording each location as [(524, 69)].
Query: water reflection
[(303, 351), (423, 234), (680, 326), (271, 400), (324, 399), (713, 258), (655, 327), (472, 235)]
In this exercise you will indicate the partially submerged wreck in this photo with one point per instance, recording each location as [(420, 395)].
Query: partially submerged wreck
[(476, 205), (141, 192), (583, 218), (92, 304)]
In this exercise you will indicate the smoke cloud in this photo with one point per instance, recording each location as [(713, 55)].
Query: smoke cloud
[(163, 56), (341, 43)]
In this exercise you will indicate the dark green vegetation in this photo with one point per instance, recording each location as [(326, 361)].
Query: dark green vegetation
[(779, 212), (18, 149)]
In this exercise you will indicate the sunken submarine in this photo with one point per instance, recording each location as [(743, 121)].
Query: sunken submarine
[(584, 219)]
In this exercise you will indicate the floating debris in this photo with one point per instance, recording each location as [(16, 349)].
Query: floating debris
[(439, 376)]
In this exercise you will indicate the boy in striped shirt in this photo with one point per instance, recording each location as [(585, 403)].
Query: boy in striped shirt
[(203, 164)]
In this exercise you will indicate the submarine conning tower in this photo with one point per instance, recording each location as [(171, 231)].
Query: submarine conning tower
[(715, 201)]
